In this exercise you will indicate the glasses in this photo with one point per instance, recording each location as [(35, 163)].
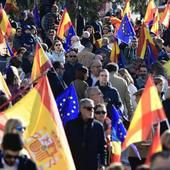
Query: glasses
[(20, 128), (89, 108), (8, 156), (57, 44), (100, 112)]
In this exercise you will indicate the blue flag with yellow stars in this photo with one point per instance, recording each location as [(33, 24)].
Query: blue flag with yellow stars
[(125, 32), (67, 103)]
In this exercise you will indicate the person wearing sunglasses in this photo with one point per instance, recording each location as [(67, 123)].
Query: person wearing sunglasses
[(57, 52), (10, 157), (86, 138), (100, 114)]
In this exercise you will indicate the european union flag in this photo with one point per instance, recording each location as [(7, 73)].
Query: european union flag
[(37, 20), (149, 57), (118, 129), (71, 32), (125, 32), (121, 60), (67, 104)]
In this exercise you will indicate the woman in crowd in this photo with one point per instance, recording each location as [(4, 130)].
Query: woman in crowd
[(79, 83), (57, 52)]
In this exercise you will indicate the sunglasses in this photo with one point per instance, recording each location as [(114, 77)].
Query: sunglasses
[(100, 112), (20, 128), (57, 44), (89, 108), (8, 156)]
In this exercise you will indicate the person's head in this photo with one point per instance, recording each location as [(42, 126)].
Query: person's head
[(72, 56), (12, 76), (103, 77), (160, 161), (95, 67), (99, 57), (4, 99), (112, 67), (126, 75), (143, 72), (115, 166), (18, 31), (14, 126), (59, 68), (95, 94), (138, 95), (105, 41), (86, 109), (159, 84), (57, 46), (27, 29), (165, 140), (54, 9), (159, 42), (81, 73), (90, 29), (74, 39), (86, 34), (11, 145), (51, 34), (100, 112), (21, 52)]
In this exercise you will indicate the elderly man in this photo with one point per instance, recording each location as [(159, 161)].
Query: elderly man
[(95, 94), (75, 43), (86, 138)]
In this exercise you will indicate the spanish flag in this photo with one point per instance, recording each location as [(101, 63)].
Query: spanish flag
[(41, 63), (4, 87), (150, 11), (145, 38), (148, 112), (126, 9), (155, 26), (44, 137), (166, 16), (64, 24), (5, 25), (155, 147), (114, 56)]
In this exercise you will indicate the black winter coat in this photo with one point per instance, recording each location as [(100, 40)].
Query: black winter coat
[(87, 142)]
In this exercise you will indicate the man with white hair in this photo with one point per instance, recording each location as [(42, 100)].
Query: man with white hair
[(75, 43)]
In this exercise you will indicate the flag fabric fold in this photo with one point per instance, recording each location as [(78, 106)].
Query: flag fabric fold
[(114, 56), (155, 26), (64, 25), (150, 11), (5, 25), (71, 32), (41, 62), (126, 9), (37, 20), (67, 103), (147, 113), (44, 137), (126, 31), (156, 145), (143, 40), (165, 19), (118, 134)]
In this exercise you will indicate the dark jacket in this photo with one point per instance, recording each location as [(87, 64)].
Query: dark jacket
[(166, 106), (69, 74), (87, 142), (57, 85), (111, 97), (24, 163)]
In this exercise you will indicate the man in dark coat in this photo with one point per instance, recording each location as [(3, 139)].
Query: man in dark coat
[(86, 138)]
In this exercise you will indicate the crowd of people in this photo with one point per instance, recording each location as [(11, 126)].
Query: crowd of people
[(99, 83)]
